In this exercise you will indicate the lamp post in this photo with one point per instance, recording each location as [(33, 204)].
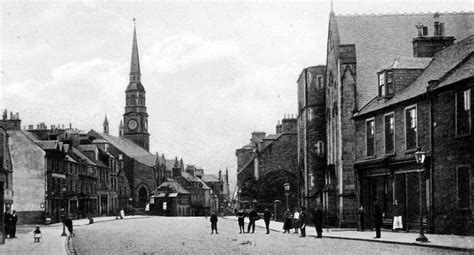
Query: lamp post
[(287, 193), (420, 159), (275, 209), (63, 212)]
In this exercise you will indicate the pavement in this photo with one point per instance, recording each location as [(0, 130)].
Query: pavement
[(53, 243), (451, 242)]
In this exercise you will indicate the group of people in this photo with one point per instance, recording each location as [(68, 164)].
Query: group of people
[(299, 219), (10, 220), (253, 216)]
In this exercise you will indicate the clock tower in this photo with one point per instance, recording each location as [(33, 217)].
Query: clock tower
[(135, 118)]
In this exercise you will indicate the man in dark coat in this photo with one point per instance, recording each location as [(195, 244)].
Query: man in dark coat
[(267, 215), (7, 223), (213, 223), (253, 216), (13, 221), (288, 219), (302, 221), (318, 222), (68, 223), (378, 220), (240, 217)]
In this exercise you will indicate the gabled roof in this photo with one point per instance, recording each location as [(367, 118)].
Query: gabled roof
[(191, 178), (441, 68), (129, 148), (379, 39), (210, 178), (173, 185), (80, 155)]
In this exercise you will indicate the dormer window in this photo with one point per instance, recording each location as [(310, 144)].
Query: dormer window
[(385, 83)]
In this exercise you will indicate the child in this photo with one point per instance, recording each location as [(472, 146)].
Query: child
[(37, 234)]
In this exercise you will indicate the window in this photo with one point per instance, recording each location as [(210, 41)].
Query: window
[(310, 114), (320, 82), (382, 84), (463, 112), (389, 83), (410, 127), (370, 137), (425, 30), (389, 129), (464, 187), (319, 148)]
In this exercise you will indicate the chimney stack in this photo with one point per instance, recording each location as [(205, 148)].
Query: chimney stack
[(426, 47)]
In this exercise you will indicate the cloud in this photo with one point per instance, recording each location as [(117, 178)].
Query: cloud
[(179, 52)]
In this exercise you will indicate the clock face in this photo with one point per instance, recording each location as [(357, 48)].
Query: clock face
[(132, 124)]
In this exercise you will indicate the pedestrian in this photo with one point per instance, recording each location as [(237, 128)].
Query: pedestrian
[(37, 234), (240, 217), (7, 219), (13, 221), (296, 223), (302, 221), (122, 214), (253, 216), (361, 217), (267, 215), (397, 217), (288, 219), (213, 223), (318, 222), (68, 223), (378, 220)]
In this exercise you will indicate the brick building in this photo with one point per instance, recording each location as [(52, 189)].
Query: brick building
[(311, 135), (417, 106), (355, 54), (268, 154)]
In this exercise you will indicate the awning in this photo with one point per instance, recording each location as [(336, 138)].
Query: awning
[(173, 195)]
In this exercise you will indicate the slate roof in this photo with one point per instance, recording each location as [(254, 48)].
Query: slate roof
[(173, 185), (379, 39), (129, 148), (210, 178), (408, 63), (79, 154), (191, 178), (442, 67)]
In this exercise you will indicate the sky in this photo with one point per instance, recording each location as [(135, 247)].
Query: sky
[(213, 72)]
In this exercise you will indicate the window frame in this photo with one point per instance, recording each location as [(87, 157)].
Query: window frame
[(382, 83), (416, 127), (366, 138), (385, 133), (469, 117), (470, 186)]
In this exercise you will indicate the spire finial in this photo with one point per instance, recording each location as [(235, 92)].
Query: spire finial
[(134, 23), (332, 7)]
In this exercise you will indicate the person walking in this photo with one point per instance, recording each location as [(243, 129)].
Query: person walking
[(302, 221), (253, 216), (68, 223), (296, 218), (240, 217), (13, 221), (287, 223), (267, 215), (213, 223), (378, 220), (318, 222)]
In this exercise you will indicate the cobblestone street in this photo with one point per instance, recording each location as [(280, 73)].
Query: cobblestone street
[(158, 235)]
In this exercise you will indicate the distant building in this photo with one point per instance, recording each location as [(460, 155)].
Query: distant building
[(268, 154), (6, 184), (312, 135)]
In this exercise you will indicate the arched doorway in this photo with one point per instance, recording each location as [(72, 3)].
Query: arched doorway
[(142, 197)]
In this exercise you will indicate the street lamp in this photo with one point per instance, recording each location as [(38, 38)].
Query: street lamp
[(275, 209), (63, 212), (287, 193), (420, 159)]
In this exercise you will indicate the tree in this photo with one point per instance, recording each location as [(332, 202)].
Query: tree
[(269, 187)]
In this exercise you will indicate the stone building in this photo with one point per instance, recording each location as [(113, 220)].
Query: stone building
[(420, 100), (269, 154), (6, 188), (311, 135), (355, 54)]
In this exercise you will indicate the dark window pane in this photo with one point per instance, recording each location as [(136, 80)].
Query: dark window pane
[(370, 128), (389, 83), (463, 112), (410, 128), (389, 133)]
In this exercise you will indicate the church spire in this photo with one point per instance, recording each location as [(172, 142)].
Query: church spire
[(106, 125), (135, 63)]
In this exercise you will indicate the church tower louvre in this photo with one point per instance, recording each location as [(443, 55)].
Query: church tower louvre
[(135, 118)]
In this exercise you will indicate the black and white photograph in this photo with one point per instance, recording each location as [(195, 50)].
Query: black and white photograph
[(236, 127)]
